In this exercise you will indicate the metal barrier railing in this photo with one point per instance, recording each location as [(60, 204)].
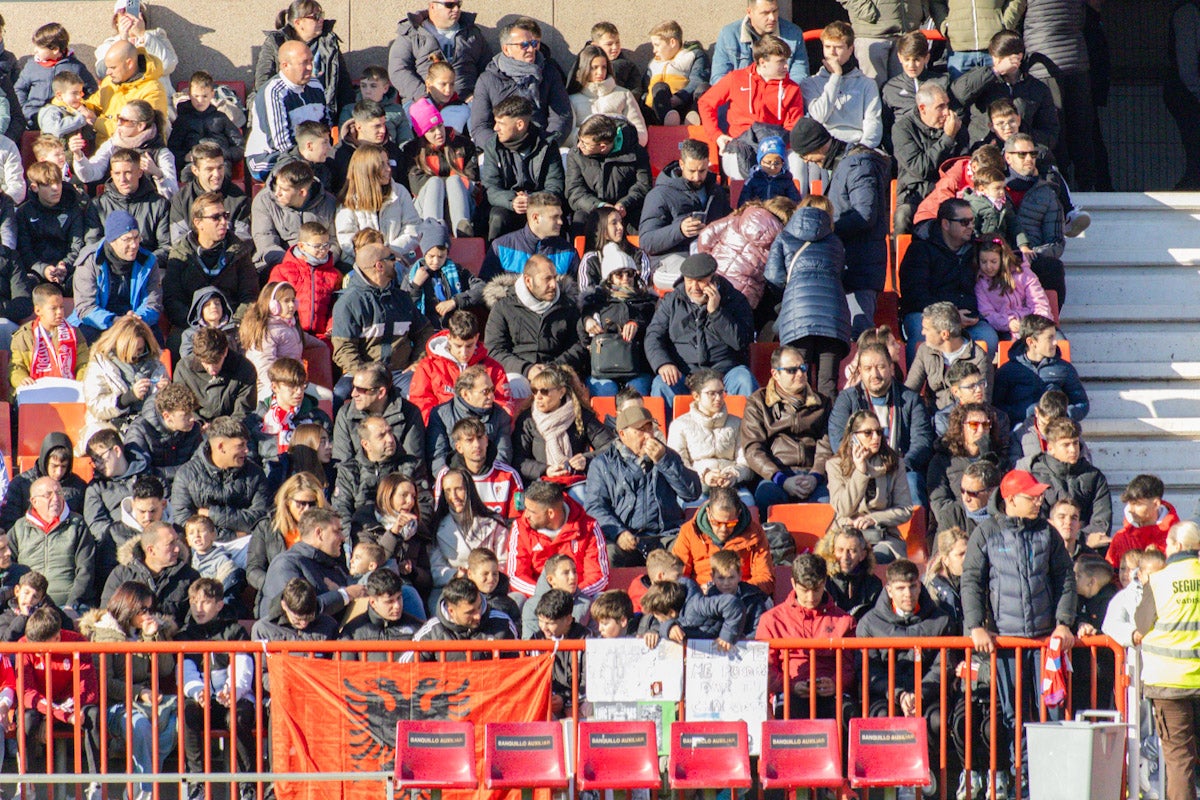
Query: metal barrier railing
[(850, 659)]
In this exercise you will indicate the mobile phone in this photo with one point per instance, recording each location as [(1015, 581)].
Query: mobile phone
[(133, 7)]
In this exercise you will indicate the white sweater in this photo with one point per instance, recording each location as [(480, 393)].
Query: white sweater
[(847, 105), (611, 100)]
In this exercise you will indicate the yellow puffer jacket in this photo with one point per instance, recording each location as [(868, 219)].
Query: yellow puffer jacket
[(111, 97)]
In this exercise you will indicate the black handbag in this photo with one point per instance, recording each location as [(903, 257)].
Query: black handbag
[(612, 356)]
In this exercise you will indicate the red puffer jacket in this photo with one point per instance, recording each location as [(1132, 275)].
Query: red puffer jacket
[(953, 177), (435, 374), (314, 291), (740, 244), (791, 621)]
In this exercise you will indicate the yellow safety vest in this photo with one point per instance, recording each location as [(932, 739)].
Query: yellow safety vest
[(1171, 651)]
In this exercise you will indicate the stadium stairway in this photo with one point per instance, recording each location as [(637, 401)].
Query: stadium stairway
[(1133, 318)]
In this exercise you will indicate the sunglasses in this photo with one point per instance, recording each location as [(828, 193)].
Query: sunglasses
[(872, 432), (528, 44), (966, 222), (979, 426), (222, 217), (792, 370), (356, 389), (448, 6), (1023, 153), (543, 391), (979, 495)]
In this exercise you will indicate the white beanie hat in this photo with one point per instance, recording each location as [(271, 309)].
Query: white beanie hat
[(613, 259)]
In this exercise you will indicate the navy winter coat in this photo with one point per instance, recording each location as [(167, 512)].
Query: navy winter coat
[(669, 201), (931, 273), (858, 189), (1020, 384), (913, 436), (814, 303), (624, 496), (683, 333)]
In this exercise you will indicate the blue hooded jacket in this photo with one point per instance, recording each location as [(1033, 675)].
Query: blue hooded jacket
[(144, 289)]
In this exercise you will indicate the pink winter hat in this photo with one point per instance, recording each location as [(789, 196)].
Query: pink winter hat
[(424, 116)]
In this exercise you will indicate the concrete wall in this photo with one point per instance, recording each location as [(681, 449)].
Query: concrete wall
[(222, 36)]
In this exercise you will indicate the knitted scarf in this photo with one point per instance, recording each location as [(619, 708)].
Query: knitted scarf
[(134, 142), (527, 78), (51, 360), (555, 427), (539, 307), (279, 422)]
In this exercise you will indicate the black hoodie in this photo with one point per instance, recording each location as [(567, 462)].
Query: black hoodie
[(16, 502), (146, 205), (883, 621)]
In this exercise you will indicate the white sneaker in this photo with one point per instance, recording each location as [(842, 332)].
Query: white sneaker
[(1077, 222), (1147, 781), (671, 118)]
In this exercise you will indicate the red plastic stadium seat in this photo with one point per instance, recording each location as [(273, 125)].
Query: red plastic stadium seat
[(617, 755), (709, 755), (662, 143), (35, 420), (760, 360), (888, 751), (801, 753), (524, 755), (915, 535), (318, 361), (26, 145), (735, 404), (6, 438), (435, 754), (468, 252), (807, 522), (607, 407)]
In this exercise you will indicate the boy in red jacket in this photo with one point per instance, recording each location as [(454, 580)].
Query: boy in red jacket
[(308, 266), (1148, 519), (809, 613), (762, 92), (553, 523), (45, 626)]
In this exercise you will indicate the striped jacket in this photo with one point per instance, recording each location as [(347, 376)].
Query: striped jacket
[(278, 109)]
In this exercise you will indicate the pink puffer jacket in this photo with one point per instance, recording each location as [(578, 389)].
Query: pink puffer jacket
[(740, 244)]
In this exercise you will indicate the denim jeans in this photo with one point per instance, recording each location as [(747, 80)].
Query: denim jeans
[(738, 380), (981, 331), (768, 494), (143, 732), (966, 60), (603, 387)]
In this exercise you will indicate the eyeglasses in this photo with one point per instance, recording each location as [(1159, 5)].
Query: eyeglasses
[(447, 6), (320, 247), (978, 386), (966, 222), (356, 389), (792, 370), (978, 426), (528, 44), (222, 217), (1023, 153), (316, 16)]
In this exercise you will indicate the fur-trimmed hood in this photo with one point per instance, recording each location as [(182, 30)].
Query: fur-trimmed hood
[(503, 286), (100, 626)]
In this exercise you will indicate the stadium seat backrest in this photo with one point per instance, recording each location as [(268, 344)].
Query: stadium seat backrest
[(618, 755), (888, 751), (801, 753), (915, 535), (435, 754), (468, 252), (607, 407), (318, 361), (164, 357), (760, 360), (807, 522), (662, 143), (709, 755), (735, 405), (520, 755)]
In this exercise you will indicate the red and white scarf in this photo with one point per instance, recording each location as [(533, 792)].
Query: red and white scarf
[(50, 361), (278, 421)]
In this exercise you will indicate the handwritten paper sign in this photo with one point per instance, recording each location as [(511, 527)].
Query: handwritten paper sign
[(728, 686), (623, 670)]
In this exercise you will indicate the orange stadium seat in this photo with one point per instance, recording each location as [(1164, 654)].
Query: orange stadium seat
[(807, 522)]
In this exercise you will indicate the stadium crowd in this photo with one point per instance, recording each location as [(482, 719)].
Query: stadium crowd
[(452, 481)]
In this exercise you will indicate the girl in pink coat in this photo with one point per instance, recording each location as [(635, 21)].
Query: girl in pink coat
[(1007, 290), (270, 331)]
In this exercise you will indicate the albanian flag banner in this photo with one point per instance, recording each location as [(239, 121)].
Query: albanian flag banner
[(340, 716)]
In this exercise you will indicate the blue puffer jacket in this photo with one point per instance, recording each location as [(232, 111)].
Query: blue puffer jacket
[(623, 496), (1020, 384), (858, 189), (683, 333), (1018, 575), (814, 303)]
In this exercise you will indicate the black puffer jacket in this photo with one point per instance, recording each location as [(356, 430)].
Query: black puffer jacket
[(236, 277), (493, 625), (403, 417), (858, 189), (1054, 37), (976, 89), (236, 499), (146, 205), (814, 301), (167, 450), (326, 49), (671, 199), (684, 334), (237, 205), (370, 627), (102, 506), (534, 166), (613, 314), (416, 47), (232, 392), (519, 338), (621, 175), (1080, 482), (358, 479), (170, 586), (16, 502), (46, 236), (932, 272), (883, 622)]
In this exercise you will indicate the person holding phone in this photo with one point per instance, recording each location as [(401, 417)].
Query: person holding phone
[(868, 486)]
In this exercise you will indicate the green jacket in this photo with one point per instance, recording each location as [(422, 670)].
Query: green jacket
[(877, 19), (971, 24)]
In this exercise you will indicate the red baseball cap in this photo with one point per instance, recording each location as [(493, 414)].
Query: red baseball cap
[(1018, 481)]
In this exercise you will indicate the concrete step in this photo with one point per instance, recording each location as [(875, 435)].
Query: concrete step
[(1098, 428), (1125, 237), (1145, 400), (1157, 285), (1150, 341), (1149, 372), (1139, 453), (1129, 313)]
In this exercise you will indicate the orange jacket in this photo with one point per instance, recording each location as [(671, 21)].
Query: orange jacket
[(751, 99), (695, 547)]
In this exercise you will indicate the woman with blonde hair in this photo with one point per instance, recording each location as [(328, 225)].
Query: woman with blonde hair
[(557, 435), (281, 530), (124, 371), (371, 199), (943, 576)]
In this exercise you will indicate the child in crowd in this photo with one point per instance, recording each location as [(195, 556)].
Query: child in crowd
[(676, 76), (661, 566), (899, 94), (28, 596), (1096, 589), (314, 145), (301, 620), (52, 54), (209, 309), (47, 346), (1127, 573), (610, 230), (309, 264), (375, 85), (1064, 518), (1035, 365), (1005, 289), (771, 178), (1119, 621), (51, 226), (212, 561), (8, 60), (42, 670), (51, 148), (726, 568), (443, 170), (288, 406), (483, 569), (613, 616), (230, 679), (1148, 518), (365, 558), (672, 613), (66, 115), (555, 623), (840, 96), (621, 65), (270, 331), (994, 209), (439, 83), (559, 573), (436, 284), (198, 119)]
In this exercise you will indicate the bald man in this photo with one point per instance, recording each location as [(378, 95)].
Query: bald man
[(293, 96), (54, 540), (376, 320), (130, 74)]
